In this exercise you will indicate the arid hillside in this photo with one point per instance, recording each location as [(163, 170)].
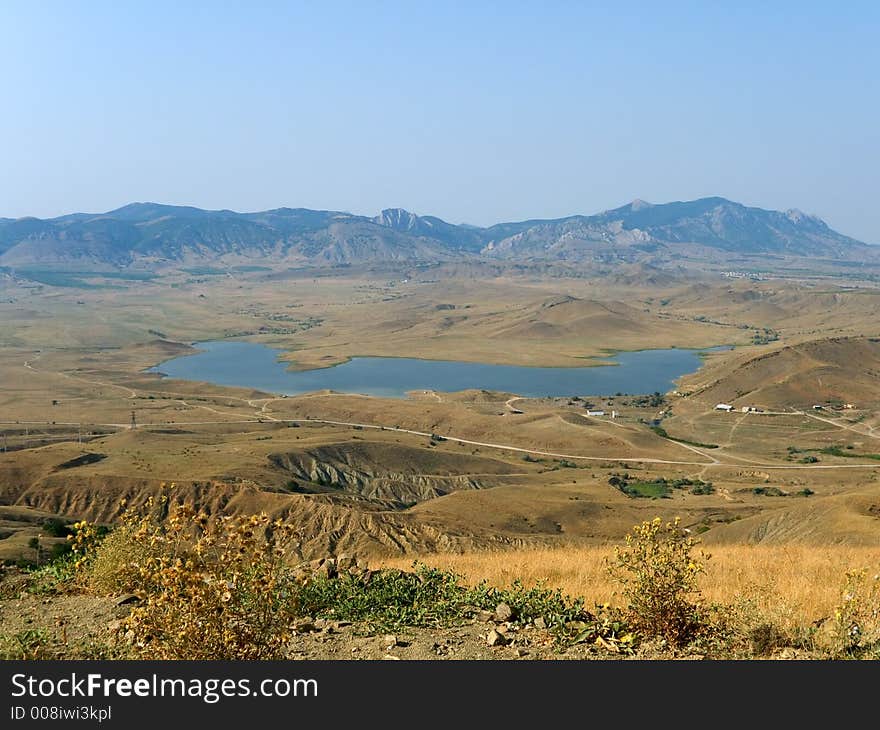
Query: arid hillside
[(830, 371)]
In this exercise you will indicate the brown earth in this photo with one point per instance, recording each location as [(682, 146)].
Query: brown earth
[(71, 374)]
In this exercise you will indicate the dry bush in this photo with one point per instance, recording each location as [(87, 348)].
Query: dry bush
[(215, 589), (210, 588), (117, 561)]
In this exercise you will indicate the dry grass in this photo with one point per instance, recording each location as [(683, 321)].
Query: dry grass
[(793, 584)]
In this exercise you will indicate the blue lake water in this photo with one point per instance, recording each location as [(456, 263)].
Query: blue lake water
[(252, 365)]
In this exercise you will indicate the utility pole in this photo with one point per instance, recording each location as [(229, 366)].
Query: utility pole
[(133, 422)]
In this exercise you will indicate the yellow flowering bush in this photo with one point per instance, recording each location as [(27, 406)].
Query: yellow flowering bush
[(84, 539), (855, 630), (658, 570), (210, 588)]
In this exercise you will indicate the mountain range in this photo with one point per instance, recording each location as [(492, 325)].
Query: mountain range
[(153, 234)]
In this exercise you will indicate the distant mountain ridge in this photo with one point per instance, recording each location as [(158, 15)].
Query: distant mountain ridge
[(155, 233)]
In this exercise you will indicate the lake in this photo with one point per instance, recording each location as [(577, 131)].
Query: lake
[(252, 365)]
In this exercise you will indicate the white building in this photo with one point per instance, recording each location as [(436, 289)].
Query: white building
[(724, 407)]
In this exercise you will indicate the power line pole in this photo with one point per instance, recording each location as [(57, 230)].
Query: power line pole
[(133, 422)]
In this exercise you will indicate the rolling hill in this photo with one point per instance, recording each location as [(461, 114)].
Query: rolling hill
[(834, 369)]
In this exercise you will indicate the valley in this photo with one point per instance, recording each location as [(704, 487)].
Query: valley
[(448, 471)]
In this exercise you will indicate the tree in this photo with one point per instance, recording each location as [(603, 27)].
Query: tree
[(34, 544)]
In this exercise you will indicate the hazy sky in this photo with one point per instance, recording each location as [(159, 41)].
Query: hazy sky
[(476, 111)]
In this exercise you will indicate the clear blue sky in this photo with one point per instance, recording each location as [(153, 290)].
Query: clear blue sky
[(476, 111)]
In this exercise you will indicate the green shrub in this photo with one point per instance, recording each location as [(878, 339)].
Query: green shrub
[(426, 597), (56, 527)]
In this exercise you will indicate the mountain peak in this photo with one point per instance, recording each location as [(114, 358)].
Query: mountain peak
[(798, 216), (639, 204), (135, 212), (397, 218)]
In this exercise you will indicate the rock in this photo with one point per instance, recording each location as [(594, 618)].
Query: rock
[(493, 638), (540, 623), (520, 653), (127, 599), (391, 657), (123, 611), (324, 567), (305, 627), (485, 616), (503, 612), (389, 641), (328, 568), (114, 625)]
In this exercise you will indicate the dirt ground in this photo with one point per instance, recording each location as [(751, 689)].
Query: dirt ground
[(77, 625)]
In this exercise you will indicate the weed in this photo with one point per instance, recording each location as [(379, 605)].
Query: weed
[(28, 644), (57, 576)]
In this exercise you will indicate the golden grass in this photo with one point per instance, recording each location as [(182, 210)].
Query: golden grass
[(794, 584)]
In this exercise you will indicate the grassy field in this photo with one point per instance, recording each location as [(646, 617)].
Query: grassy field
[(795, 584)]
